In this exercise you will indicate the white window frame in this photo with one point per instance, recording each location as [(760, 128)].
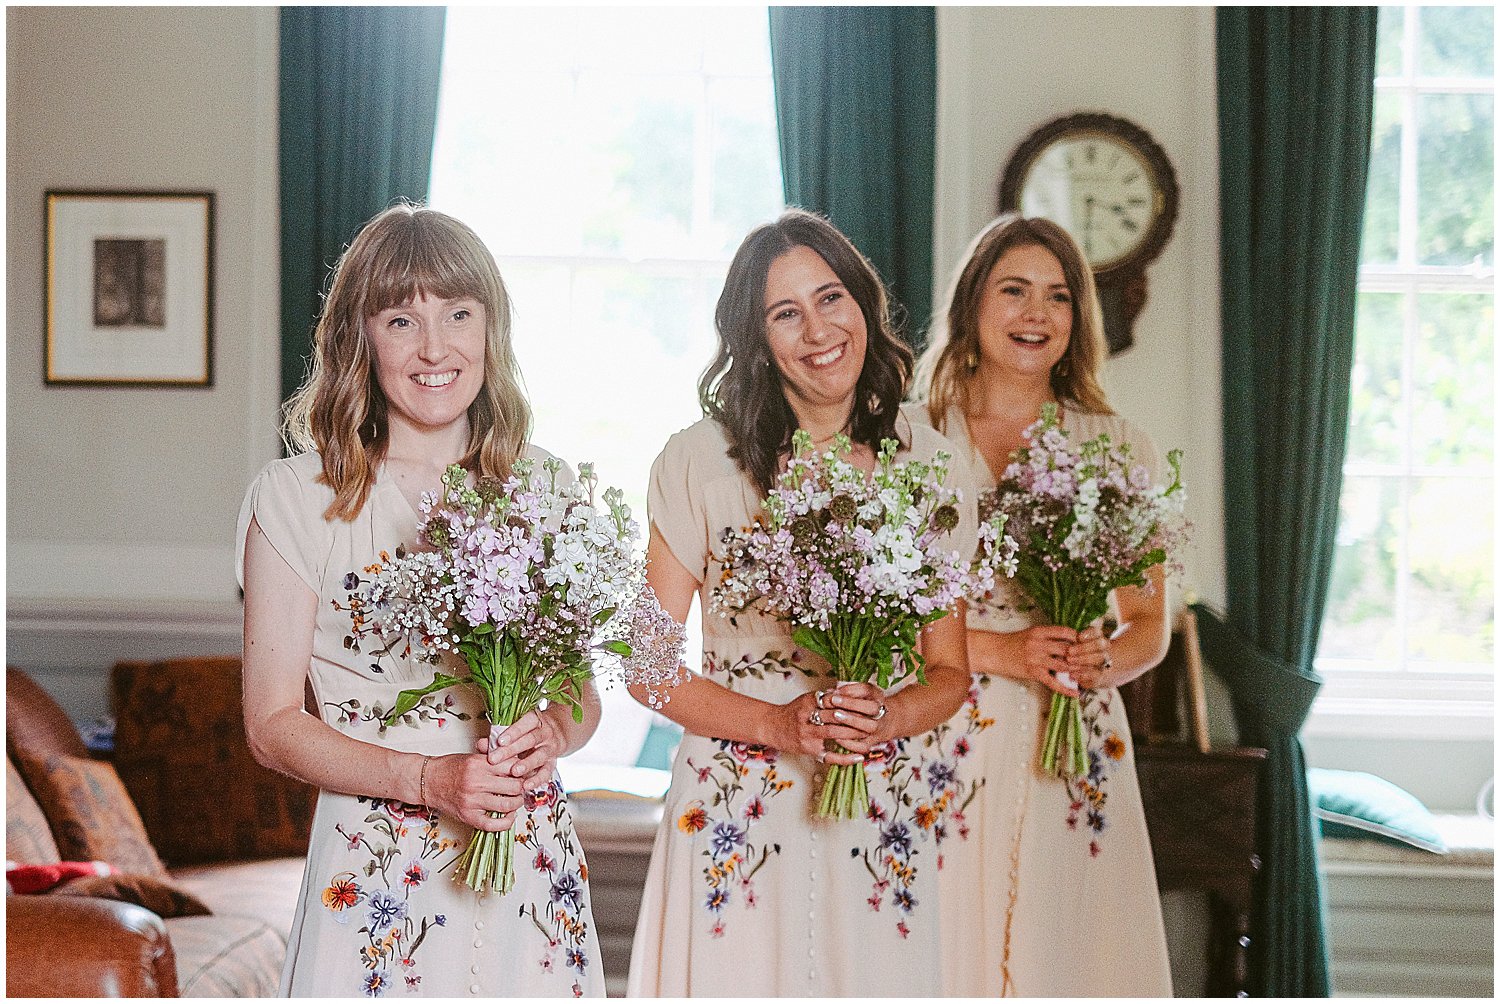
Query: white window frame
[(1357, 699)]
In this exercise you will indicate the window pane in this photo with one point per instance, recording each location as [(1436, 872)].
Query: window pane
[(632, 345), (1455, 41), (1453, 380), (734, 41), (1375, 426), (1451, 551), (1360, 619), (637, 39), (747, 190), (1456, 178), (1382, 205), (641, 164), (1390, 25), (520, 153)]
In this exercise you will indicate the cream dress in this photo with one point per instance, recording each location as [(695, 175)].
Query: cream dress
[(1049, 889), (749, 895), (378, 912)]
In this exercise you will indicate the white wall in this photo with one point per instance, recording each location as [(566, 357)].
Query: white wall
[(1002, 72), (131, 493), (121, 502)]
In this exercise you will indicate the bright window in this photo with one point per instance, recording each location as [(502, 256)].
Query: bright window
[(1409, 632), (612, 159)]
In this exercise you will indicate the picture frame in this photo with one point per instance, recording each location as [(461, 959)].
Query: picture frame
[(129, 288)]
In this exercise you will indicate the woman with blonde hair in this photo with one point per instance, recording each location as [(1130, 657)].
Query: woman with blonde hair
[(412, 371), (1052, 880)]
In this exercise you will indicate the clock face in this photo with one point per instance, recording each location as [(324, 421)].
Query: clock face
[(1098, 188)]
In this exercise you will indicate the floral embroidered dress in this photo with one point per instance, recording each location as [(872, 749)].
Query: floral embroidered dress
[(749, 895), (378, 912), (1049, 889)]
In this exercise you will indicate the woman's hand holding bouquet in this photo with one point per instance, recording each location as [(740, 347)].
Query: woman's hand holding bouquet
[(858, 566)]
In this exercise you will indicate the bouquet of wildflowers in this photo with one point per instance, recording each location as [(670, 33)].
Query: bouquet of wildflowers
[(536, 588), (858, 566), (1087, 521)]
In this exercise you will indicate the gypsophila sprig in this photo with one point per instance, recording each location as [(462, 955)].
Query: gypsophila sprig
[(1088, 519), (539, 590), (858, 566)]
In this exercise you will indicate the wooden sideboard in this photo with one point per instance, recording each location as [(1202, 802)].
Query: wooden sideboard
[(1200, 811)]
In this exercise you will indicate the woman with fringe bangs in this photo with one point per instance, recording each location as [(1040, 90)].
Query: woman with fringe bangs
[(1051, 881), (748, 894), (412, 370)]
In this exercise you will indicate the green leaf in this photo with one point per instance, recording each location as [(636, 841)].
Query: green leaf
[(814, 641), (617, 647), (407, 699), (604, 615)]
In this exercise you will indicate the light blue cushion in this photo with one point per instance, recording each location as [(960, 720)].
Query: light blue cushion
[(1353, 804)]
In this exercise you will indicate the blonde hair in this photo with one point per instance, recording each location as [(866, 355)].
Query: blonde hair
[(340, 411), (947, 366)]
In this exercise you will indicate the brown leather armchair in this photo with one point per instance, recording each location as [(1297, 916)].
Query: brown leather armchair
[(82, 946), (74, 946)]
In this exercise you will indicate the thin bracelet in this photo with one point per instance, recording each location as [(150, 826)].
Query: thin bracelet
[(422, 782)]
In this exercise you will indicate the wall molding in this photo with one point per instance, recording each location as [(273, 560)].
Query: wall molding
[(69, 645)]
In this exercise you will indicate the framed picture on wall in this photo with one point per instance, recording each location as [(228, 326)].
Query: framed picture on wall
[(129, 288)]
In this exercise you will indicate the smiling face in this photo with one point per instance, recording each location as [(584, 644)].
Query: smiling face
[(429, 360), (1026, 312), (815, 330)]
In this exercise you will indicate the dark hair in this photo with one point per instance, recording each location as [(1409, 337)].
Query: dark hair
[(741, 389), (951, 358), (340, 410)]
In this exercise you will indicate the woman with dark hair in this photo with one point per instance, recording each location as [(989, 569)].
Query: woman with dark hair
[(748, 894), (412, 371), (1053, 880)]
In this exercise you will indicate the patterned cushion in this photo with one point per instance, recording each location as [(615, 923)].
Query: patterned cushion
[(28, 838), (91, 814), (226, 956), (181, 750), (165, 899)]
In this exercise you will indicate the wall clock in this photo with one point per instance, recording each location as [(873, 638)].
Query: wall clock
[(1111, 186)]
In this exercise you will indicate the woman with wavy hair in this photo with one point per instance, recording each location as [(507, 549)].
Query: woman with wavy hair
[(412, 370), (1052, 880), (748, 894)]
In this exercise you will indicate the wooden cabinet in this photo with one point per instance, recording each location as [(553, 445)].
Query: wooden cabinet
[(1200, 811)]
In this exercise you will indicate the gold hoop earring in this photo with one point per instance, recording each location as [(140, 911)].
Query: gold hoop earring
[(1062, 368), (972, 360)]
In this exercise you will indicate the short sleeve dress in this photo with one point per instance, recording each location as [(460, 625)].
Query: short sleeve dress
[(378, 912), (1049, 889), (749, 895)]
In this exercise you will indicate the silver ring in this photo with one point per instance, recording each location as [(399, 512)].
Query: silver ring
[(822, 756), (816, 718), (881, 713), (818, 698)]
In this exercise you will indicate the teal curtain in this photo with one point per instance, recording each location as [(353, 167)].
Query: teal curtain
[(856, 109), (359, 94), (1296, 92)]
